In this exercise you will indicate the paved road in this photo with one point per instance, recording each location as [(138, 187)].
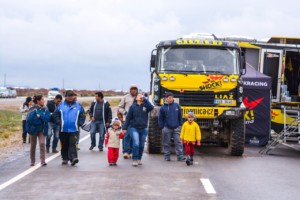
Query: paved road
[(249, 177)]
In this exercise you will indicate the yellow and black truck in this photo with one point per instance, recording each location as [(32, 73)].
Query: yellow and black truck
[(204, 74)]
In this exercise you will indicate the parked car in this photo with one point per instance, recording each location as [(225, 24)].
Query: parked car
[(8, 92)]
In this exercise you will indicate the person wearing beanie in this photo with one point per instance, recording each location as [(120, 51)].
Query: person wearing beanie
[(124, 106), (190, 135), (24, 109), (112, 141), (170, 120), (69, 115)]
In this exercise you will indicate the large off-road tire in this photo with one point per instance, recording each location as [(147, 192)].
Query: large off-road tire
[(237, 137), (154, 136)]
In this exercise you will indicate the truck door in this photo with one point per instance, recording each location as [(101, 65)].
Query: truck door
[(271, 65)]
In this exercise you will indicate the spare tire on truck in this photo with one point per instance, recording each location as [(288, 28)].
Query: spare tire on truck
[(237, 136)]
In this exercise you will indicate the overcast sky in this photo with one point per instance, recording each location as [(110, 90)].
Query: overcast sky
[(92, 43)]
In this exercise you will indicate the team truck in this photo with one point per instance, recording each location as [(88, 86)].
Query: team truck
[(204, 74)]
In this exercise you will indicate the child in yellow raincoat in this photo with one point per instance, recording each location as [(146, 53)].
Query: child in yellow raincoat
[(190, 135)]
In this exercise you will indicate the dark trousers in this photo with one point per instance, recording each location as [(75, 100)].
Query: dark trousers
[(68, 145), (24, 131)]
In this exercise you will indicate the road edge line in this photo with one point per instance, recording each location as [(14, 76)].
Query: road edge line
[(32, 169)]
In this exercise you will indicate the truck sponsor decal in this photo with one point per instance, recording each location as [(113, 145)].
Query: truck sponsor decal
[(196, 41)]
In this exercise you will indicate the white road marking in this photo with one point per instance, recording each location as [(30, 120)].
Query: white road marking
[(32, 169), (207, 186)]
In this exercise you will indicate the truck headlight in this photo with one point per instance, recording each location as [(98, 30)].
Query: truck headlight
[(241, 90), (156, 88), (155, 98)]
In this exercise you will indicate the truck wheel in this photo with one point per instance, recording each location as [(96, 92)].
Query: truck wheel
[(237, 137), (154, 136)]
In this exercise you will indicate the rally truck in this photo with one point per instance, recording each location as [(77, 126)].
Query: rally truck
[(204, 74)]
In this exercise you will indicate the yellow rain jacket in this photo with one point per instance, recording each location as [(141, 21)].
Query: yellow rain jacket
[(190, 132)]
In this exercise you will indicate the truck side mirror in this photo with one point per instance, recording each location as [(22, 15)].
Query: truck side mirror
[(153, 59), (243, 63)]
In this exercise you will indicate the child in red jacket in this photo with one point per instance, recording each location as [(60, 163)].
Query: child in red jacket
[(112, 141)]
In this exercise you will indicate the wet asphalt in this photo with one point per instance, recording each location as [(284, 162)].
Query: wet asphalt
[(252, 176)]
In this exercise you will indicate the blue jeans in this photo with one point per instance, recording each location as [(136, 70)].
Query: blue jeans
[(127, 142), (53, 129), (138, 142), (97, 127)]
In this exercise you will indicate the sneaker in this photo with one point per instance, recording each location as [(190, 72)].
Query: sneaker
[(180, 158), (111, 164), (47, 150), (64, 162), (24, 141), (167, 158), (115, 164), (54, 151), (91, 148), (100, 149), (139, 162), (43, 164), (125, 155), (74, 161), (32, 164), (135, 163)]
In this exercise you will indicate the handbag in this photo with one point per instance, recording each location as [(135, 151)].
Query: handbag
[(87, 126)]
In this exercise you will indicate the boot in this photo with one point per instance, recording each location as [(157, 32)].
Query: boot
[(188, 161), (47, 150), (54, 151)]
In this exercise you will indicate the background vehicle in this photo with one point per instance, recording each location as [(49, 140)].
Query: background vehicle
[(53, 92), (7, 92), (203, 73)]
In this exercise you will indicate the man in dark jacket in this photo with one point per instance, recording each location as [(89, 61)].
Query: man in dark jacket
[(70, 116), (100, 114), (170, 120), (137, 120), (53, 129)]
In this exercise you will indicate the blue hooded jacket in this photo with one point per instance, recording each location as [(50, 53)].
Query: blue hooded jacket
[(37, 121), (137, 116), (170, 116), (70, 116)]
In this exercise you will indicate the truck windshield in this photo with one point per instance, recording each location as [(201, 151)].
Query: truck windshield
[(199, 60)]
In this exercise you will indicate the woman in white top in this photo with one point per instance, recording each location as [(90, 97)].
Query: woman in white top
[(24, 110)]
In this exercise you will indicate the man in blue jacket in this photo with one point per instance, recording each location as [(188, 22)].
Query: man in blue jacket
[(70, 116), (170, 120)]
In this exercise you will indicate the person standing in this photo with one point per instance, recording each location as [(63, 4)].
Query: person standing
[(112, 141), (190, 134), (137, 122), (69, 115), (124, 106), (170, 120), (100, 114), (53, 129), (24, 109), (37, 127)]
